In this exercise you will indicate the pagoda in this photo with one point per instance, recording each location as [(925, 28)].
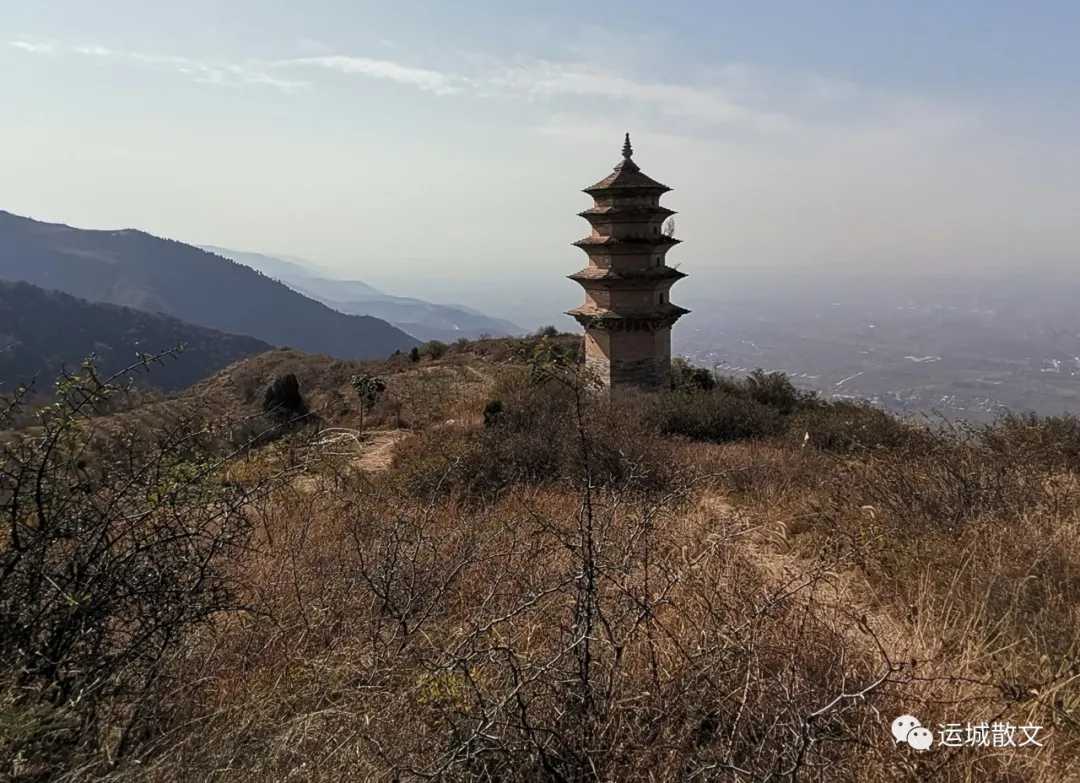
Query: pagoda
[(627, 312)]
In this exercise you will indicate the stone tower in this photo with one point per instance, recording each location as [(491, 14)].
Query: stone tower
[(627, 313)]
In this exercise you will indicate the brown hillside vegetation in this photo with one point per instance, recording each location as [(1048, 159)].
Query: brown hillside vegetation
[(505, 577)]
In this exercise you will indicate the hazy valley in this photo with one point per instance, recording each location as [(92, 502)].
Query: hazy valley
[(423, 320), (968, 346)]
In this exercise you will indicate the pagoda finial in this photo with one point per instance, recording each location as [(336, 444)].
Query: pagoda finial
[(627, 150)]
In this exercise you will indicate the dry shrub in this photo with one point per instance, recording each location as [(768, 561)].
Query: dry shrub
[(965, 536), (116, 543), (971, 547), (535, 439), (522, 349), (564, 594), (769, 475), (942, 486), (592, 627), (1049, 441), (429, 395), (526, 639)]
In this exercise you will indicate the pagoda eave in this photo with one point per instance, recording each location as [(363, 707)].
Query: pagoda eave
[(626, 214), (628, 244), (608, 277), (602, 189), (615, 322)]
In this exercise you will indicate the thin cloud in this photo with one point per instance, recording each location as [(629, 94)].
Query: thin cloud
[(712, 105), (94, 51), (211, 72), (543, 80), (34, 47), (422, 78), (735, 96), (201, 71)]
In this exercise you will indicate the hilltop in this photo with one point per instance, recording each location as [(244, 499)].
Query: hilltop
[(136, 269), (500, 575)]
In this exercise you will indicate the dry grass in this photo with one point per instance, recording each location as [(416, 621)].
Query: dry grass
[(410, 639), (528, 600), (971, 563)]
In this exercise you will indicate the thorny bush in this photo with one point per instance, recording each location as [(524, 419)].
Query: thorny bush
[(113, 547)]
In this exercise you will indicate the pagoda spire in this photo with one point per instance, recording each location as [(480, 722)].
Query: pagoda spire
[(627, 150)]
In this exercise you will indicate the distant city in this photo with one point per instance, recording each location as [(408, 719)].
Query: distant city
[(962, 347)]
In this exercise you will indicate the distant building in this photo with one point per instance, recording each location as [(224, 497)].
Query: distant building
[(627, 313)]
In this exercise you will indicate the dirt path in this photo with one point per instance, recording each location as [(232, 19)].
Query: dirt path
[(840, 592), (371, 452), (377, 450)]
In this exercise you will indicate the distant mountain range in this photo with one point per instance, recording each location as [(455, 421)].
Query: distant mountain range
[(44, 332), (135, 269), (419, 318)]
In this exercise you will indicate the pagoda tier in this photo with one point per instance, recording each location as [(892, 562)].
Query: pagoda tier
[(627, 314), (613, 278), (596, 318)]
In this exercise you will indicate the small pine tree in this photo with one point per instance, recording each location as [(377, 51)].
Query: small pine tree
[(414, 354), (369, 389)]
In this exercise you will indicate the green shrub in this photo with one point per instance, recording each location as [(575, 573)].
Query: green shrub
[(435, 349), (772, 389), (847, 427), (546, 351), (369, 388), (687, 377), (714, 416), (776, 390)]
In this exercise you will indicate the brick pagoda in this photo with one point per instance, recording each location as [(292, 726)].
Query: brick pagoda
[(627, 313)]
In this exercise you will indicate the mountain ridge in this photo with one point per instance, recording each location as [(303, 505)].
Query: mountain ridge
[(420, 318), (133, 268), (44, 332)]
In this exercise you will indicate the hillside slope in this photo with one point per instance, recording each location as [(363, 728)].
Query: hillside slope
[(768, 580), (43, 332), (135, 269), (422, 319)]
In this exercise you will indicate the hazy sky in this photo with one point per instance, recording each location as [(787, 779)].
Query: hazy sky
[(428, 146)]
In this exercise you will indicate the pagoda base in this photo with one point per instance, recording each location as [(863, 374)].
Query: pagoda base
[(639, 358)]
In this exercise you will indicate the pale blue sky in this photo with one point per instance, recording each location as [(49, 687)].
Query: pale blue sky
[(428, 146)]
